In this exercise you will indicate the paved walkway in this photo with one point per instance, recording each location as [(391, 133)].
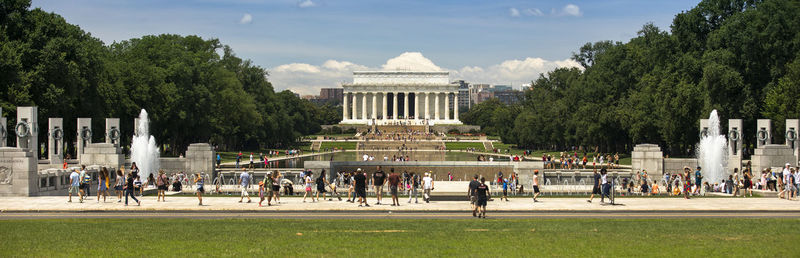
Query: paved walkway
[(218, 204)]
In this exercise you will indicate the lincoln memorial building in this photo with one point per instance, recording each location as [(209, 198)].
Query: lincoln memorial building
[(400, 98)]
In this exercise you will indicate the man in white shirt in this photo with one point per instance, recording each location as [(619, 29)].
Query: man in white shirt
[(427, 186), (365, 157), (74, 182)]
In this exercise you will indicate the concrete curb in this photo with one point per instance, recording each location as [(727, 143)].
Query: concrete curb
[(402, 211)]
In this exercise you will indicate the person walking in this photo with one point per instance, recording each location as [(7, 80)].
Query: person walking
[(219, 160), (244, 182), (268, 190), (308, 184), (321, 183), (505, 189), (472, 194), (606, 185), (698, 181), (482, 197), (361, 188), (251, 161), (261, 191), (238, 159), (427, 186), (129, 190), (84, 183), (102, 184), (199, 181), (394, 184), (74, 185), (535, 185), (378, 180), (119, 183), (412, 190), (351, 183), (595, 186)]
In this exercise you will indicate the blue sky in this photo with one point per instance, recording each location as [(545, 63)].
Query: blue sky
[(310, 44)]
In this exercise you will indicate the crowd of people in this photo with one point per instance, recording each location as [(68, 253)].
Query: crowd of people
[(566, 160)]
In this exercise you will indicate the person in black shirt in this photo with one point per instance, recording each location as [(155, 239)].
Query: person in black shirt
[(596, 187), (378, 180), (361, 188), (129, 190), (482, 193), (471, 192)]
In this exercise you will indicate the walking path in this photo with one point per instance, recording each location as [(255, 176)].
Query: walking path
[(295, 204)]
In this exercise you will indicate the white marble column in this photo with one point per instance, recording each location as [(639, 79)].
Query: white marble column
[(427, 105), (446, 106), (385, 100), (405, 105), (355, 106), (416, 105), (436, 105), (364, 106), (374, 105), (394, 106), (344, 107), (455, 107)]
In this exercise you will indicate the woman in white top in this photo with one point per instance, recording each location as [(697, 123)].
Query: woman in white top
[(308, 184)]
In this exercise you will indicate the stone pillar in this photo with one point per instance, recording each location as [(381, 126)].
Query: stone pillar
[(763, 132), (405, 105), (648, 157), (355, 105), (55, 140), (374, 105), (113, 133), (394, 106), (84, 135), (792, 128), (364, 106), (3, 129), (427, 105), (735, 145), (28, 126), (385, 101), (436, 105), (703, 128), (446, 106), (344, 107), (455, 108), (416, 105)]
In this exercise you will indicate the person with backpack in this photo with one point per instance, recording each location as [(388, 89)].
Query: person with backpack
[(321, 183)]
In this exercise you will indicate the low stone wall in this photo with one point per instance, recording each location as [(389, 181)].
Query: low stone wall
[(675, 165), (771, 156)]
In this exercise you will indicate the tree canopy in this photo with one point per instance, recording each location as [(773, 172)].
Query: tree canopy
[(194, 89), (739, 57)]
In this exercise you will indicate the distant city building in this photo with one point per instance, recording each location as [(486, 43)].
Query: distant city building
[(464, 99), (331, 96), (509, 97)]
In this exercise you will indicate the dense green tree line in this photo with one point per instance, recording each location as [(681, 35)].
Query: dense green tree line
[(194, 89), (739, 57)]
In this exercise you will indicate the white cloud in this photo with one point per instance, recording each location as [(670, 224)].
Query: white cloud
[(573, 10), (308, 79), (246, 19), (533, 12), (411, 61), (306, 3), (513, 12)]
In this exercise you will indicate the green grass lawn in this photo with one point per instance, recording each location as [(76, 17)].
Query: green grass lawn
[(715, 237), (464, 145), (339, 145)]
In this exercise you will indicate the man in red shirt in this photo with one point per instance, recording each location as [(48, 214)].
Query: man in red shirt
[(394, 182)]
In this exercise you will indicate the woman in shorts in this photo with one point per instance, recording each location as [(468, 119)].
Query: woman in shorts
[(308, 183), (198, 181), (119, 185), (161, 183), (321, 183), (102, 184)]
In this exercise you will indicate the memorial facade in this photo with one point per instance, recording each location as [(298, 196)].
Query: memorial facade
[(400, 98)]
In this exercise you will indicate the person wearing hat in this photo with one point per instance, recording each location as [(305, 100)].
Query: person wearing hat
[(427, 186), (698, 181), (361, 188), (786, 178)]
